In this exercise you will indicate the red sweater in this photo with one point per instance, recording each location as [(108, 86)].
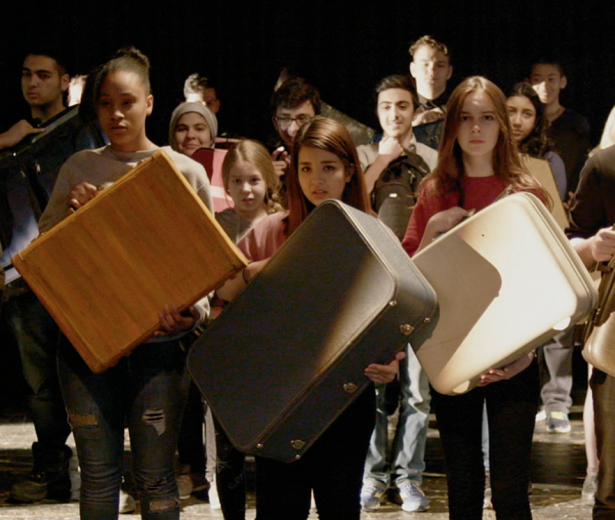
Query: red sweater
[(478, 192)]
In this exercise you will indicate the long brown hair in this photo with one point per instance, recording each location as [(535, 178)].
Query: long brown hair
[(330, 136), (506, 160)]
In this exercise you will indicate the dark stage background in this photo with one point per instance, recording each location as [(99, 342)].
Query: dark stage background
[(341, 48)]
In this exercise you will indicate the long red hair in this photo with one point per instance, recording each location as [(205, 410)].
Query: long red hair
[(506, 159)]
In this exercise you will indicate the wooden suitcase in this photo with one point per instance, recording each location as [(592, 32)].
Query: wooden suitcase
[(288, 354), (507, 280), (106, 271)]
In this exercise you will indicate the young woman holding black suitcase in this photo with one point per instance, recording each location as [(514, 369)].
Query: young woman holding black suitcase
[(324, 166)]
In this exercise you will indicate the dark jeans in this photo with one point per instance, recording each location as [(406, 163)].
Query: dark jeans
[(37, 334), (191, 446), (603, 388), (332, 467), (511, 411), (146, 391), (230, 478)]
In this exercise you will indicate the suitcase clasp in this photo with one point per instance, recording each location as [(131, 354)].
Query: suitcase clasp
[(406, 329), (297, 444), (350, 388)]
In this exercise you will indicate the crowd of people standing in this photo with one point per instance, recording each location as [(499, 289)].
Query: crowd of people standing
[(455, 149)]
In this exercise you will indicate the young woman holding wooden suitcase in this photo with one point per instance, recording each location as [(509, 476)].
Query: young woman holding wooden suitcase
[(145, 390), (324, 166), (478, 161)]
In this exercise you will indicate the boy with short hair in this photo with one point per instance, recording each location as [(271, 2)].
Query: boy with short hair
[(398, 154), (431, 68), (568, 129)]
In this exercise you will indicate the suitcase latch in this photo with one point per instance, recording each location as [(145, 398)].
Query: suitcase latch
[(350, 388), (406, 329), (297, 444)]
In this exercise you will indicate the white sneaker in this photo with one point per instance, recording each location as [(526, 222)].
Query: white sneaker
[(487, 496), (590, 486), (413, 498), (184, 486), (127, 503), (75, 477), (214, 499), (371, 493)]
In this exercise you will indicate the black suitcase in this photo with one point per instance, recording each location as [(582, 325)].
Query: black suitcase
[(288, 354)]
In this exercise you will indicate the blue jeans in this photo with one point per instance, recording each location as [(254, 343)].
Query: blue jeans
[(37, 337), (407, 460), (146, 391)]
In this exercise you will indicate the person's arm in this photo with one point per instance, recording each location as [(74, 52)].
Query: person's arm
[(172, 321), (281, 161), (384, 373), (591, 216), (233, 286), (507, 372), (389, 149), (81, 194), (440, 223), (428, 116), (16, 133), (599, 248)]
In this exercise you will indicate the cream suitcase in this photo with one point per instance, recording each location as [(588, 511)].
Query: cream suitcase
[(106, 271), (507, 280)]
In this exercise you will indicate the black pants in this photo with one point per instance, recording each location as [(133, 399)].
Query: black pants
[(332, 467), (603, 387), (511, 411), (230, 477)]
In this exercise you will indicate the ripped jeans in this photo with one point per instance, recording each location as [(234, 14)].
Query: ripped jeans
[(146, 392)]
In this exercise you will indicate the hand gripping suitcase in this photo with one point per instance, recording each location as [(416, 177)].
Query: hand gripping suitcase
[(288, 354), (507, 280), (106, 271)]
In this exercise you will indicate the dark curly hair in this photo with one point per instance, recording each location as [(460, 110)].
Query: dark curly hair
[(536, 144)]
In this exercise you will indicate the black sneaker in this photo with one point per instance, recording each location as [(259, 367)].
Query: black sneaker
[(40, 486), (50, 478)]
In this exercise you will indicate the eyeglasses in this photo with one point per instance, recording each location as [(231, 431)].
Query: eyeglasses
[(285, 121)]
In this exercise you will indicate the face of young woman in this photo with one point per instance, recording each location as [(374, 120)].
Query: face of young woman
[(478, 130), (247, 188), (123, 105), (522, 116), (192, 133), (322, 175)]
